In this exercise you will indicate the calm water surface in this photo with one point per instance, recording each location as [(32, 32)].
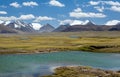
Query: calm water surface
[(34, 65)]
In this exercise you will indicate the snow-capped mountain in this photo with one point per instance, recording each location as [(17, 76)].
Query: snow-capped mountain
[(5, 22), (88, 22), (20, 25)]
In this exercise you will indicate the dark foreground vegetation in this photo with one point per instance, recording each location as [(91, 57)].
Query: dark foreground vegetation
[(81, 71), (93, 41)]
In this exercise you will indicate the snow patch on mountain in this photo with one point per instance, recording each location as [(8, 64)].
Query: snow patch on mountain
[(78, 22), (36, 26), (7, 22), (1, 22)]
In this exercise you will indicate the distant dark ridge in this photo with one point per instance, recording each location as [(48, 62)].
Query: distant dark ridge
[(46, 28), (61, 28)]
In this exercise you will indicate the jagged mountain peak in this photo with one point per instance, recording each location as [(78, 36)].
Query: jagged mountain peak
[(47, 24), (46, 28), (61, 28), (118, 23), (88, 22), (21, 25)]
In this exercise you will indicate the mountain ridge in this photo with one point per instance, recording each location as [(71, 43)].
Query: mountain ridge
[(85, 26)]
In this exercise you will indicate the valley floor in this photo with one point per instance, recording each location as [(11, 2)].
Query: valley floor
[(93, 41)]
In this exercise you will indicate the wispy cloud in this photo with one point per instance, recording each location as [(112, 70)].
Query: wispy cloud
[(78, 13), (100, 9), (56, 3), (3, 12), (94, 2), (15, 4), (8, 18), (112, 3), (26, 17), (31, 4), (43, 18)]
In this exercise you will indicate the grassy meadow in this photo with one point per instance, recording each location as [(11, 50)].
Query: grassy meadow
[(47, 42)]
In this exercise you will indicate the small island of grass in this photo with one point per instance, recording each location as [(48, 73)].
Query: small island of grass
[(82, 71)]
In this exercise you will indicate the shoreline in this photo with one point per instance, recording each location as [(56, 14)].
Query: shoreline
[(3, 52), (83, 71)]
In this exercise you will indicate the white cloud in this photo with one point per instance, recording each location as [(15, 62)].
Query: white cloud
[(112, 3), (43, 18), (15, 4), (76, 22), (73, 22), (8, 18), (94, 2), (31, 3), (112, 22), (26, 17), (3, 12), (36, 26), (56, 3), (22, 17), (100, 9), (115, 8), (79, 14), (67, 21), (78, 10), (79, 22)]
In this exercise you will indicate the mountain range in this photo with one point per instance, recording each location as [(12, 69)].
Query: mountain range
[(20, 26)]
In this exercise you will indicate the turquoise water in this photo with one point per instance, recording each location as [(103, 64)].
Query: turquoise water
[(34, 65)]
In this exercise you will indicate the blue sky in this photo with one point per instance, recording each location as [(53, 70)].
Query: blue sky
[(56, 12)]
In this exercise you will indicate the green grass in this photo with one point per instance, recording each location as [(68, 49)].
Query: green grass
[(86, 41)]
